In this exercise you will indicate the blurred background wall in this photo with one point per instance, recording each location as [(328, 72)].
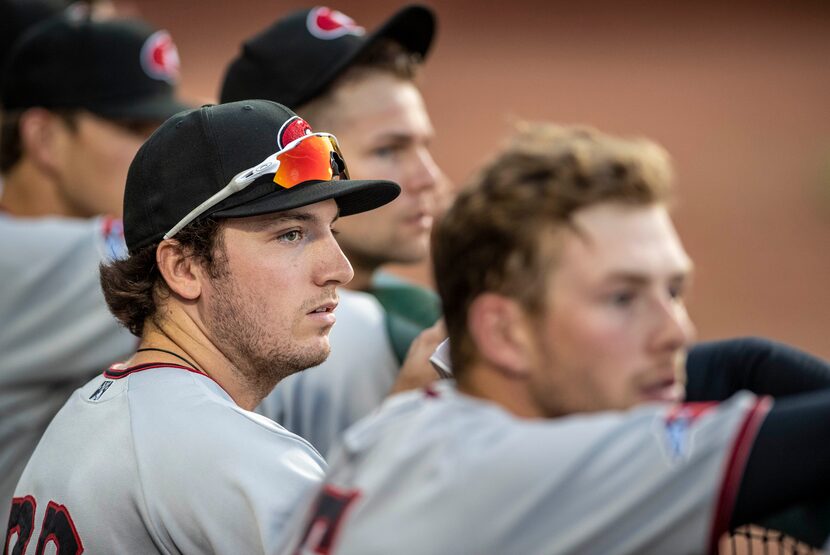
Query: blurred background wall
[(739, 93)]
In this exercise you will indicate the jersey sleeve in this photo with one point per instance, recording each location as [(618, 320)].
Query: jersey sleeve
[(658, 479), (655, 480)]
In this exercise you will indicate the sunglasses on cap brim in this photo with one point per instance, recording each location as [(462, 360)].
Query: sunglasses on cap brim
[(312, 157)]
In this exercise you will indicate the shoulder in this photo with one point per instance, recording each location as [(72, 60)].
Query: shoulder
[(478, 433), (197, 412)]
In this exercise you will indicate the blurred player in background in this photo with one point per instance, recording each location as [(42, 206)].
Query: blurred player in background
[(231, 284), (361, 87), (563, 283), (78, 99)]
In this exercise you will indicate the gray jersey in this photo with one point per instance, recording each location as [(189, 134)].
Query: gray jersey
[(319, 403), (55, 329), (453, 474), (159, 459)]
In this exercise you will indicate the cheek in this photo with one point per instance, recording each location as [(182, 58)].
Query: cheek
[(270, 302), (375, 167), (372, 224), (594, 343), (111, 159)]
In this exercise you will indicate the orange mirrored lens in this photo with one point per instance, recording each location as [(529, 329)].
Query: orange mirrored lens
[(310, 160)]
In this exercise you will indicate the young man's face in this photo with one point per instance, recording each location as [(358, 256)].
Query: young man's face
[(384, 130), (271, 308), (615, 328), (92, 162)]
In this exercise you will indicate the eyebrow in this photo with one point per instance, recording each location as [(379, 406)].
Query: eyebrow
[(642, 279), (402, 137), (290, 215)]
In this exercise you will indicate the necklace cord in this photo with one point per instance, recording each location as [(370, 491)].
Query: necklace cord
[(171, 353)]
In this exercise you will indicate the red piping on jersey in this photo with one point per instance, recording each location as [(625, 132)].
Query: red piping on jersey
[(118, 374), (430, 391), (735, 470), (348, 497)]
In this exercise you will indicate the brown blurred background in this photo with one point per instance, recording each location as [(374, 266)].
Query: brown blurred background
[(739, 94)]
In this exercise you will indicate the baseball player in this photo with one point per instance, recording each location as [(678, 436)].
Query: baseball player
[(78, 97), (231, 285), (566, 431), (360, 86)]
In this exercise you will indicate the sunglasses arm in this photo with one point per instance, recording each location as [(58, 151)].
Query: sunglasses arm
[(239, 182)]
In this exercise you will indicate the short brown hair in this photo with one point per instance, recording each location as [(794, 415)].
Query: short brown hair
[(385, 56), (489, 240), (133, 286)]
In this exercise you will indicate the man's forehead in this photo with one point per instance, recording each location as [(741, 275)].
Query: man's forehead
[(614, 240), (380, 103)]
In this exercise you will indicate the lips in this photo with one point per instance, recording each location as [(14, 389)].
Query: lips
[(668, 389), (422, 220), (324, 308)]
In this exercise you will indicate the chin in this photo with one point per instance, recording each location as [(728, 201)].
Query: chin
[(407, 254), (319, 354)]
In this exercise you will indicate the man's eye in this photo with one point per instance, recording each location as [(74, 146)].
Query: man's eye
[(622, 298), (291, 236), (676, 292), (386, 151)]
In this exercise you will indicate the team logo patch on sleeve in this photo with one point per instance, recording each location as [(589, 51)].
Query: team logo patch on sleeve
[(327, 24), (160, 57), (675, 429)]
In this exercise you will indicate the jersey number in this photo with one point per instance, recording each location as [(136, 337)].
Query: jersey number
[(57, 528), (322, 529)]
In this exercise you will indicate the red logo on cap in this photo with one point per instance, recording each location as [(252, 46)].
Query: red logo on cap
[(292, 130), (160, 58), (325, 23)]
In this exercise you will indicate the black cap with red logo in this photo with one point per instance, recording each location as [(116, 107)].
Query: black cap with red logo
[(201, 152), (298, 56), (119, 69)]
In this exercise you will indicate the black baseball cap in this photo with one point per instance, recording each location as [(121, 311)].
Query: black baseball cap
[(196, 153), (18, 15), (298, 56), (117, 69)]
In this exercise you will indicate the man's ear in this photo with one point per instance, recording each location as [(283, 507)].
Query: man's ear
[(502, 333), (180, 270), (42, 136)]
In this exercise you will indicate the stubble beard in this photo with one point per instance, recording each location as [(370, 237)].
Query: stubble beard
[(260, 359)]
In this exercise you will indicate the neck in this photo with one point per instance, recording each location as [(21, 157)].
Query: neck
[(511, 393), (30, 192), (179, 334)]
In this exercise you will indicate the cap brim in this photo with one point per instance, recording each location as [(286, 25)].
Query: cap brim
[(157, 108), (352, 197)]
